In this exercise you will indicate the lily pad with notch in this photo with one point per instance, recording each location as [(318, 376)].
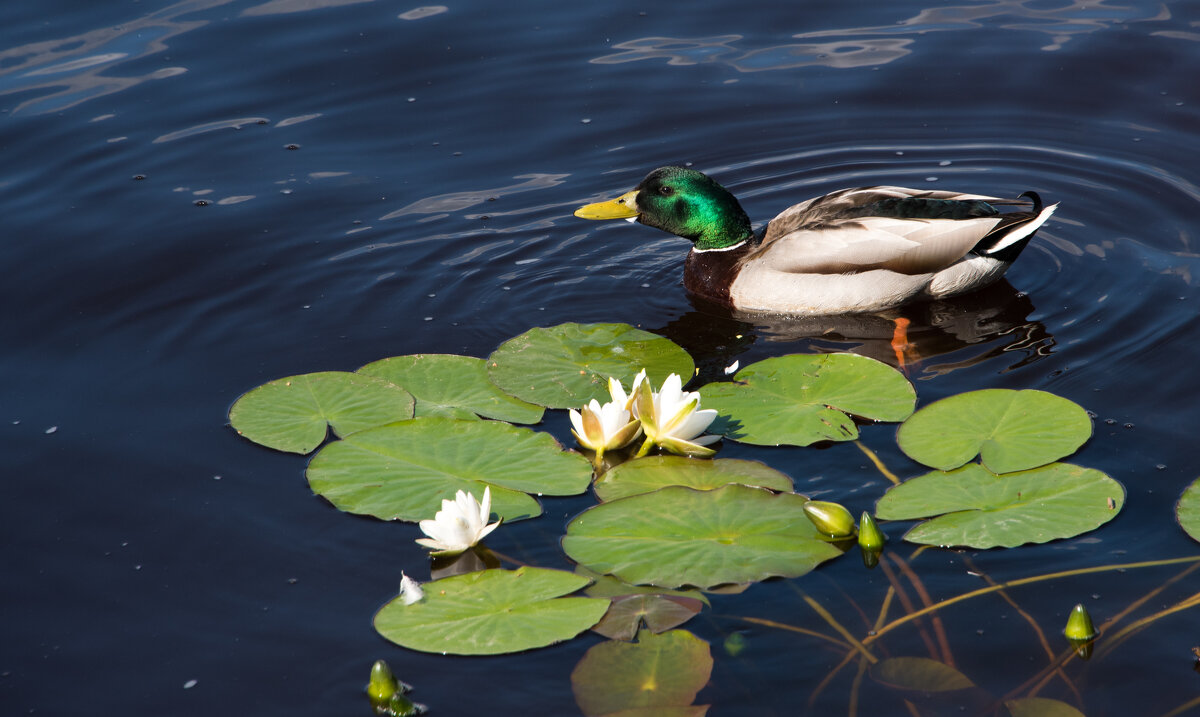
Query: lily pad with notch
[(491, 612), (973, 507), (567, 365), (404, 470), (679, 536), (658, 675), (1010, 430), (295, 413), (453, 386), (803, 399)]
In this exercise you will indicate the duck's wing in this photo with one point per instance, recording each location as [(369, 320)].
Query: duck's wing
[(903, 230)]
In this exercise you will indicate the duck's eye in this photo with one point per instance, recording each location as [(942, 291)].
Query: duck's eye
[(666, 190)]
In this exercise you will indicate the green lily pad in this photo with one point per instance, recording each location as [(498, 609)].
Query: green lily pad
[(800, 400), (1040, 707), (453, 386), (566, 366), (292, 414), (680, 536), (653, 676), (653, 472), (920, 674), (491, 612), (1187, 510), (404, 470), (1009, 430), (658, 612), (980, 509)]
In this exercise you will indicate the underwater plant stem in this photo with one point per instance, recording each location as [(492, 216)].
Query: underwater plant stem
[(939, 628), (1021, 581), (1183, 708), (855, 686), (878, 463), (832, 621), (1037, 629), (793, 628), (909, 608), (1112, 642), (1145, 598)]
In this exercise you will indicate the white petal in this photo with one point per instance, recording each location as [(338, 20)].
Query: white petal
[(485, 508), (410, 590), (577, 424), (695, 424), (731, 368)]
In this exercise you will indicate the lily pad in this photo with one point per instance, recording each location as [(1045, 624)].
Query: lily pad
[(920, 674), (653, 472), (800, 400), (292, 414), (453, 386), (491, 612), (658, 612), (566, 366), (657, 674), (404, 470), (1187, 510), (980, 509), (1009, 430), (1040, 707), (680, 536)]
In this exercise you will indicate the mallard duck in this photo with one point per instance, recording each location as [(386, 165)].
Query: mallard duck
[(855, 250)]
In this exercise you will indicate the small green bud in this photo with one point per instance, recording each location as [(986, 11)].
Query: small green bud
[(1079, 625), (831, 519), (383, 684), (870, 537)]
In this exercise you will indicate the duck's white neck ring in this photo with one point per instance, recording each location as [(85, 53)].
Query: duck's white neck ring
[(724, 248)]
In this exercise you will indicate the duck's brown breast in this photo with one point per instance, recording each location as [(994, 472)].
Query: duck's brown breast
[(709, 274)]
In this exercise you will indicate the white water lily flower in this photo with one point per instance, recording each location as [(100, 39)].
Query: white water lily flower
[(410, 590), (460, 524), (625, 400), (671, 419), (605, 427)]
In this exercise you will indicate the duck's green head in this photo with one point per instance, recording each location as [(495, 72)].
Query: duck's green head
[(683, 202)]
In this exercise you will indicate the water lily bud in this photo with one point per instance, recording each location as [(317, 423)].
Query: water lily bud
[(870, 537), (831, 519), (1079, 625), (383, 684)]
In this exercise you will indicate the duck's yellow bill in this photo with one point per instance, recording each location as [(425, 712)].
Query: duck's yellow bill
[(623, 207)]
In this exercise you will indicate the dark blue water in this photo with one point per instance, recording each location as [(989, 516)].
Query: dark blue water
[(202, 196)]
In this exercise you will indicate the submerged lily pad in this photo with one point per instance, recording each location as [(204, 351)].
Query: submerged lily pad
[(404, 470), (1040, 707), (659, 612), (680, 536), (292, 414), (491, 612), (1009, 430), (654, 676), (979, 509), (454, 386), (653, 472), (919, 674), (566, 366), (1187, 510), (799, 399)]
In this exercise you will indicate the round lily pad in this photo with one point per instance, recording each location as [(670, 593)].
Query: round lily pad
[(566, 366), (291, 414), (800, 400), (979, 509), (653, 472), (491, 612), (919, 674), (650, 677), (1187, 510), (681, 536), (454, 386), (404, 470), (1009, 430)]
